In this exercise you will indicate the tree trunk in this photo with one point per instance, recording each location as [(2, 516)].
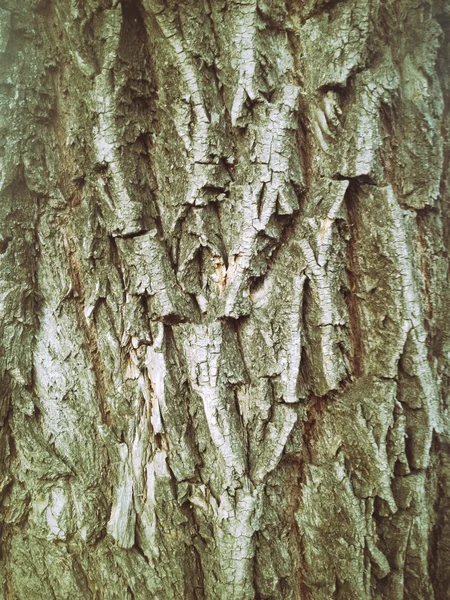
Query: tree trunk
[(225, 340)]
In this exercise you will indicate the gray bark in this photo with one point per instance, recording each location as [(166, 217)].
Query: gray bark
[(224, 358)]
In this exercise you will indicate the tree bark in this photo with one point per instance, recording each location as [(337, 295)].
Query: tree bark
[(224, 299)]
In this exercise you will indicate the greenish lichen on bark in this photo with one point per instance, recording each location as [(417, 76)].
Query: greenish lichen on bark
[(224, 344)]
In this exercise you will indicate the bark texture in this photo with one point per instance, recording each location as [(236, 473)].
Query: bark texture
[(224, 299)]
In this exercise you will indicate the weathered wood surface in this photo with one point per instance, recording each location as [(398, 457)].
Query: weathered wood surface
[(224, 299)]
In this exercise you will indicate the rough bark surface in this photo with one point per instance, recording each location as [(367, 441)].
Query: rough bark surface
[(224, 299)]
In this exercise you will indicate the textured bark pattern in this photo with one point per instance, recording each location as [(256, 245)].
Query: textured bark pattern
[(224, 338)]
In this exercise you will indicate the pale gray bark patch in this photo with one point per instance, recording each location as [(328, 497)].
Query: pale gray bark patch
[(224, 358)]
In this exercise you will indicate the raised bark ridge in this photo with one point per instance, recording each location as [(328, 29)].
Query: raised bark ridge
[(223, 288)]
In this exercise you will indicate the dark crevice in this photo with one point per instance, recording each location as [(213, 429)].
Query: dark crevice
[(131, 235), (115, 259), (351, 297), (88, 327)]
